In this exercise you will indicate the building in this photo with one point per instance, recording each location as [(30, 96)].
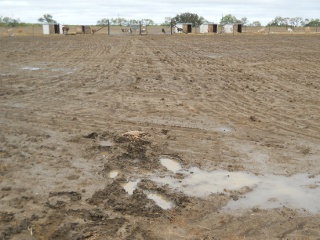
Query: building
[(183, 28), (209, 28), (52, 28), (83, 29), (228, 28), (231, 28)]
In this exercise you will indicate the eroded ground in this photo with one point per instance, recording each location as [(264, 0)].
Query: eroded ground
[(87, 123)]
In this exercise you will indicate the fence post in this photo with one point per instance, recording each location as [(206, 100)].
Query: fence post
[(108, 27), (171, 26)]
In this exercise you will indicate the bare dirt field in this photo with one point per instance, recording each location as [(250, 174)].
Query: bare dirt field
[(160, 137)]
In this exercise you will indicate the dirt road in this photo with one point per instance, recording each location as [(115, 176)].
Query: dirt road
[(160, 137)]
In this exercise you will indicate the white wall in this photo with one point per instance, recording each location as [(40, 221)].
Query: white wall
[(228, 28), (179, 25), (204, 28), (46, 29)]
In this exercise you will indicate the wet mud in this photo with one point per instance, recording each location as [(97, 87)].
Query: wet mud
[(160, 137)]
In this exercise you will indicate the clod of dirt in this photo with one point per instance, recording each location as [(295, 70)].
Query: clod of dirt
[(74, 196), (253, 118), (134, 135), (92, 135), (179, 200), (115, 197), (6, 217), (19, 227)]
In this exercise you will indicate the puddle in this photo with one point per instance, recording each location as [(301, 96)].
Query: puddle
[(130, 186), (214, 56), (160, 201), (105, 146), (223, 129), (105, 153), (170, 164), (269, 191), (298, 191), (107, 143), (31, 68), (113, 174)]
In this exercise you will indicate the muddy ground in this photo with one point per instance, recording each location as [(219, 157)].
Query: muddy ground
[(81, 116)]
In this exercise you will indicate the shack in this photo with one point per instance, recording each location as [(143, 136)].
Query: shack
[(83, 29), (183, 28), (54, 28), (239, 27), (209, 28), (231, 28), (228, 28)]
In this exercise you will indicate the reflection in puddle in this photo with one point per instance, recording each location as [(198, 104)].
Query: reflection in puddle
[(130, 186), (170, 164), (297, 191), (113, 174), (160, 201)]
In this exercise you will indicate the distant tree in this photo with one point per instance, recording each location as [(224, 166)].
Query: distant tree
[(103, 22), (6, 20), (255, 24), (47, 18), (147, 22), (229, 19), (296, 21), (133, 22), (286, 21), (279, 21), (119, 21), (188, 18), (203, 20), (244, 21), (126, 22), (10, 22), (313, 22), (167, 21)]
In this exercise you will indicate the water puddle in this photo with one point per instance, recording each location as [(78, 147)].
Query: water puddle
[(104, 147), (107, 143), (223, 129), (113, 174), (160, 201), (130, 186), (31, 68), (268, 191), (170, 164), (214, 56), (105, 153)]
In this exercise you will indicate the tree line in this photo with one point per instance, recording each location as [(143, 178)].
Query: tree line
[(183, 17)]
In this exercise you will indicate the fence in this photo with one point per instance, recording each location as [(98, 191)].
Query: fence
[(153, 30)]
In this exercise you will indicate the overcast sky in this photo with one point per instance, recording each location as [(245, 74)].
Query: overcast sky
[(88, 12)]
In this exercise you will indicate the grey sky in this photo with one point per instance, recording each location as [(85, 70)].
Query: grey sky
[(89, 12)]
